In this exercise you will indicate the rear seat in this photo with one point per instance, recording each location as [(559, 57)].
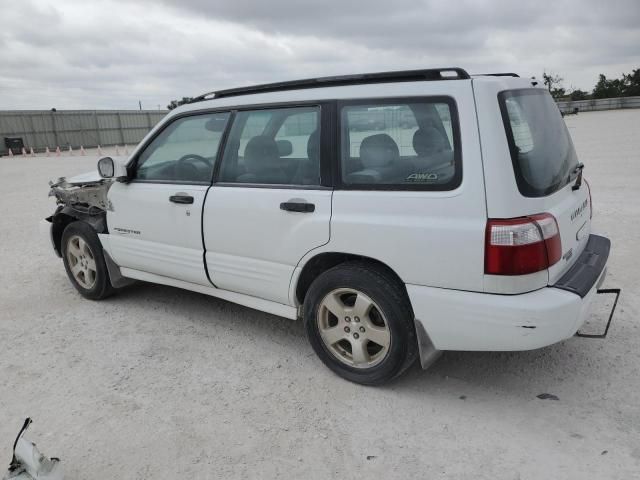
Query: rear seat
[(433, 149), (379, 155)]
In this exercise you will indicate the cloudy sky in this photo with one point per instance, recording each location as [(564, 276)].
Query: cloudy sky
[(112, 53)]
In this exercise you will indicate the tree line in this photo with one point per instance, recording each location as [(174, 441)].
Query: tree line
[(626, 86)]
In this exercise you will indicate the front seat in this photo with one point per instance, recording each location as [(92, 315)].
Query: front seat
[(262, 162), (379, 155), (308, 172)]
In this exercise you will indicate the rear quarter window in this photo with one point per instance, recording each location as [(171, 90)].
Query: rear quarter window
[(541, 149), (400, 144)]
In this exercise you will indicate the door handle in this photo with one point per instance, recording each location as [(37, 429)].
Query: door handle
[(182, 198), (297, 206)]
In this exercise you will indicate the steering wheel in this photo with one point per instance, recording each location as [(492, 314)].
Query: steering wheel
[(193, 156), (188, 171)]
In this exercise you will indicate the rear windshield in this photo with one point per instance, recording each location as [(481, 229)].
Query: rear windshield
[(541, 149)]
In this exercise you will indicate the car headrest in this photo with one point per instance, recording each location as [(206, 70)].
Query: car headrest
[(261, 152), (285, 147), (378, 151), (313, 146), (427, 141)]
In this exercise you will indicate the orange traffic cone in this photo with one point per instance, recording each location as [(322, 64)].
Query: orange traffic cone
[(70, 151), (24, 152), (99, 151), (32, 153), (47, 152), (10, 153), (57, 151), (82, 152)]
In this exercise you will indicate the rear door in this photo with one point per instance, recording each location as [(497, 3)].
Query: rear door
[(270, 203), (547, 169), (530, 167)]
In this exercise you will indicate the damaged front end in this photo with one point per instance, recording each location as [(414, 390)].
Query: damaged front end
[(85, 193), (79, 198)]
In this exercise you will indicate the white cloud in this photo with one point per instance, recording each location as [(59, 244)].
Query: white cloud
[(109, 54)]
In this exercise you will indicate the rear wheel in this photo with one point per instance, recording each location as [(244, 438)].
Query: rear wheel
[(84, 261), (360, 323)]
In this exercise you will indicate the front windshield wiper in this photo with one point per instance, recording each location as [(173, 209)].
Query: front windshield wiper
[(578, 170)]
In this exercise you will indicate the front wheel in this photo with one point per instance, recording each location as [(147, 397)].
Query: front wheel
[(84, 261), (360, 323)]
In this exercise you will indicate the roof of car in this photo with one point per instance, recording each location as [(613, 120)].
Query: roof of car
[(431, 74), (295, 90)]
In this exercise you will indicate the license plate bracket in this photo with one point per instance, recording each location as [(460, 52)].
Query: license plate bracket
[(604, 291)]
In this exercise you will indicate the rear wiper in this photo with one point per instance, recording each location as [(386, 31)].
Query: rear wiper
[(578, 171)]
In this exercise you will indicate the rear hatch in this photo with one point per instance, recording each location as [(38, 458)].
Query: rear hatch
[(547, 170)]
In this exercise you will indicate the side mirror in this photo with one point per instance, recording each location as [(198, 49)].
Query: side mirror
[(110, 168)]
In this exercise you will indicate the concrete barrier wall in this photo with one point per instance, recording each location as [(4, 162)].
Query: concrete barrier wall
[(74, 128), (599, 104)]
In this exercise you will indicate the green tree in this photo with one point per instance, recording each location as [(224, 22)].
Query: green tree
[(551, 81), (554, 84), (631, 83), (606, 88), (579, 95)]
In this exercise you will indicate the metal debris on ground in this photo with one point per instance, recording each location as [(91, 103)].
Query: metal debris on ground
[(29, 464), (547, 396)]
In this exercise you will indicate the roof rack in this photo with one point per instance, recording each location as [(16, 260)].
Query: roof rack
[(506, 74), (449, 73)]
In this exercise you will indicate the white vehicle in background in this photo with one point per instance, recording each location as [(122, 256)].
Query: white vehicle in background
[(398, 214)]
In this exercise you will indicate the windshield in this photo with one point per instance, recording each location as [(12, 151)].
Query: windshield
[(541, 148)]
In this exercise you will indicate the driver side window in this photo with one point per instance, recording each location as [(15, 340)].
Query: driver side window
[(185, 151)]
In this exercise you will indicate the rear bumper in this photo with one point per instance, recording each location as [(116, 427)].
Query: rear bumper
[(458, 320), (588, 268)]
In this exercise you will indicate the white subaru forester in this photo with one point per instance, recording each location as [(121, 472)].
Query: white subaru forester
[(398, 214)]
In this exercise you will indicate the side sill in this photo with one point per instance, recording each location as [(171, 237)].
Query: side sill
[(267, 306)]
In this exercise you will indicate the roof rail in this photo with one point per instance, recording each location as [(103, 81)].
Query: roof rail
[(449, 73), (506, 74)]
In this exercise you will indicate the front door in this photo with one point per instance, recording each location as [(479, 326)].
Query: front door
[(268, 206), (156, 222)]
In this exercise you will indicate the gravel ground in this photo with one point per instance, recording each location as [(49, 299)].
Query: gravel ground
[(162, 383)]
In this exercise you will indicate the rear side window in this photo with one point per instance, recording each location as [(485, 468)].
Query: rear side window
[(273, 147), (541, 149), (400, 144)]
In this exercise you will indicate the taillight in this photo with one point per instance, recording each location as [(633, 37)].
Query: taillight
[(517, 246), (590, 204)]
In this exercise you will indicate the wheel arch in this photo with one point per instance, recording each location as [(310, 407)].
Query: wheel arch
[(322, 262), (64, 215)]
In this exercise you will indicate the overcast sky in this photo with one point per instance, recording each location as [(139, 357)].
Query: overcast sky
[(112, 53)]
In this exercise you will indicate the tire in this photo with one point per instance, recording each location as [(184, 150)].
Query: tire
[(84, 261), (361, 356)]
